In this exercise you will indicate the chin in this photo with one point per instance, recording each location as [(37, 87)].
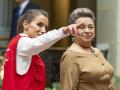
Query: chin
[(87, 40), (38, 35), (34, 36)]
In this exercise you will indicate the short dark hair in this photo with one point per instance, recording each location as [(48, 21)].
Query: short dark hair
[(29, 15), (80, 12)]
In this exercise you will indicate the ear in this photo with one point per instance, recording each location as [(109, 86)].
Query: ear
[(25, 25)]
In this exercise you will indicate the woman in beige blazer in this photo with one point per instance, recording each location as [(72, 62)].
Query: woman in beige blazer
[(82, 66)]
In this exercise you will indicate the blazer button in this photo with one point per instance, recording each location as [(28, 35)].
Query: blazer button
[(102, 63)]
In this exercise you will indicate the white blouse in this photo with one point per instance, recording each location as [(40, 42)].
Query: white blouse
[(23, 6), (27, 47)]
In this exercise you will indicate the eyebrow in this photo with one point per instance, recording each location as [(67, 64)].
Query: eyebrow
[(40, 23), (82, 24)]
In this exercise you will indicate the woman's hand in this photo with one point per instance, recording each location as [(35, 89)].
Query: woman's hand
[(71, 29)]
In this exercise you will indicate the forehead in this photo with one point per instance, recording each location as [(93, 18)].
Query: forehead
[(85, 20), (41, 18)]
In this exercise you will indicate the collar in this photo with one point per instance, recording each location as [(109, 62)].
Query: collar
[(23, 34), (75, 47), (24, 4)]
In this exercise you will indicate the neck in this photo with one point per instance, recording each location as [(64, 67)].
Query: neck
[(85, 45)]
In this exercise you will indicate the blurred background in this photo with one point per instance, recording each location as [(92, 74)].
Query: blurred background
[(107, 14)]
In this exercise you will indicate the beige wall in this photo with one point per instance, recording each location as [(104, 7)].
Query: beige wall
[(108, 24), (118, 38), (60, 18)]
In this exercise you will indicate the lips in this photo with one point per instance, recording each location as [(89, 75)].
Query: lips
[(87, 36)]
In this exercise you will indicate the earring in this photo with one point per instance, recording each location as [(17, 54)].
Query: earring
[(93, 39), (73, 39)]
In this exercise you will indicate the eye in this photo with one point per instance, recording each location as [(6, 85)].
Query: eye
[(82, 26), (90, 27), (40, 24)]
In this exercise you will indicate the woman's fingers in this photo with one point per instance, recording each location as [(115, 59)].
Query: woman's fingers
[(71, 29)]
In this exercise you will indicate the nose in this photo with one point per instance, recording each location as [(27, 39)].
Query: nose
[(87, 29)]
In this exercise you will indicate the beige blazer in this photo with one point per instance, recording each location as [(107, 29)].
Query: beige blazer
[(85, 71)]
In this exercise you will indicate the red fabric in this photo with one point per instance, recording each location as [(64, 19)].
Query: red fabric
[(34, 79)]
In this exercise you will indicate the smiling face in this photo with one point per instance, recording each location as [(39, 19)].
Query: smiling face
[(36, 27), (86, 29)]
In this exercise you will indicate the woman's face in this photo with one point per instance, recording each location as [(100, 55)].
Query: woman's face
[(37, 27), (86, 30)]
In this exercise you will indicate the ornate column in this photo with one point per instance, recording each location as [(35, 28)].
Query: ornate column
[(60, 18)]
